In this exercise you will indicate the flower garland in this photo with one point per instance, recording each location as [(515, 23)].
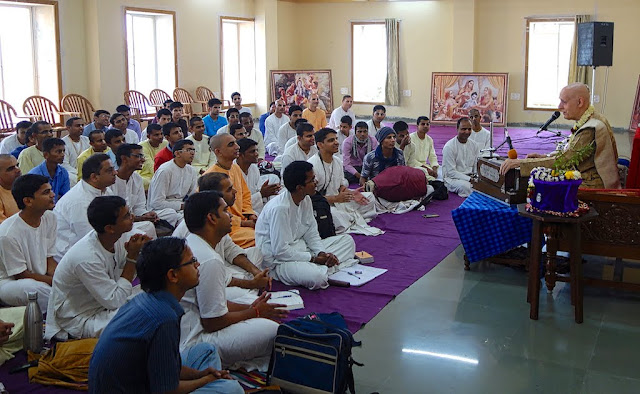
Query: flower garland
[(583, 119)]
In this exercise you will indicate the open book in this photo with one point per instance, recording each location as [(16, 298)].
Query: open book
[(290, 298), (358, 274)]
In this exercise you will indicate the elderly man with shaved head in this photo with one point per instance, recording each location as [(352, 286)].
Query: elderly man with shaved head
[(599, 170)]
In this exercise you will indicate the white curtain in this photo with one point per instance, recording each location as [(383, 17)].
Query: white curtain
[(392, 86)]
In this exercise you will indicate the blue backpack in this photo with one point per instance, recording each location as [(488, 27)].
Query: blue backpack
[(313, 354)]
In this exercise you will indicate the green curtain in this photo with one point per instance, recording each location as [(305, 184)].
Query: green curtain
[(392, 85)]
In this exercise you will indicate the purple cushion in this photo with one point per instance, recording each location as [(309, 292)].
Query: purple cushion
[(559, 196)]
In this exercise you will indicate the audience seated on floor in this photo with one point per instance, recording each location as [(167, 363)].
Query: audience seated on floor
[(424, 156), (172, 132), (375, 123), (246, 120), (244, 332), (97, 144), (163, 117), (139, 349), (288, 130), (119, 122), (173, 182), (203, 157), (94, 277), (100, 122), (345, 131), (314, 115), (213, 121), (304, 147), (9, 172), (33, 155), (459, 157), (19, 138), (350, 209), (27, 243), (51, 167), (479, 135), (243, 216), (355, 148), (233, 117), (236, 99), (113, 138), (262, 187), (343, 110), (98, 174), (287, 234), (150, 148), (272, 124), (384, 156), (177, 117), (241, 265), (76, 143), (132, 124)]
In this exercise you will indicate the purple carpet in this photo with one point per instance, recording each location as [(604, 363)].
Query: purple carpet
[(409, 249)]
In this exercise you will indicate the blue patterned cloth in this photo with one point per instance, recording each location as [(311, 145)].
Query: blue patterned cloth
[(488, 227)]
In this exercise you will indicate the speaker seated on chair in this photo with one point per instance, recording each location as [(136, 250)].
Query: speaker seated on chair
[(595, 44)]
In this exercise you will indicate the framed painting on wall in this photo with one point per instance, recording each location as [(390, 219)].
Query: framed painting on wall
[(453, 95), (295, 87), (635, 112)]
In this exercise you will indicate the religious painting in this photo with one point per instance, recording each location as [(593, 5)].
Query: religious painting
[(635, 112), (296, 86), (453, 95)]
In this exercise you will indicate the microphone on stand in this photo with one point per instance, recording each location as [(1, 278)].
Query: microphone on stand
[(512, 153), (553, 117)]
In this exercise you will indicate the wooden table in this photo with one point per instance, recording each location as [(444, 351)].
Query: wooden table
[(551, 225)]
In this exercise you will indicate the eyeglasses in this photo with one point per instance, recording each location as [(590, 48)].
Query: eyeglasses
[(188, 150), (139, 155), (192, 261), (314, 180)]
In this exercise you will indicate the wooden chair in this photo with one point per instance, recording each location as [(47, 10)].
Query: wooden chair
[(47, 111), (139, 105), (78, 103), (204, 94), (157, 97), (183, 96), (7, 115)]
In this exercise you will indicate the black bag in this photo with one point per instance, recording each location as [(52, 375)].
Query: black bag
[(440, 191), (322, 213)]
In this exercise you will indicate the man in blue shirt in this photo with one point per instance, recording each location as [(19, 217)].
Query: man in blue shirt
[(213, 121), (138, 350), (263, 117), (100, 122), (53, 150)]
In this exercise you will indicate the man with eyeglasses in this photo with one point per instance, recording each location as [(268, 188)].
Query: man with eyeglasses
[(287, 233), (173, 182), (34, 155), (139, 349), (94, 278)]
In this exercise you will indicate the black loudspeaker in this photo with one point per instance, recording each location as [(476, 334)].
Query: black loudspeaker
[(595, 44)]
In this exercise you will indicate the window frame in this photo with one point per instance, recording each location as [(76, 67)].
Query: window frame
[(526, 56), (376, 22), (126, 43), (56, 28), (221, 20)]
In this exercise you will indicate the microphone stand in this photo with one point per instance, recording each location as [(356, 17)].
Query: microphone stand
[(491, 149)]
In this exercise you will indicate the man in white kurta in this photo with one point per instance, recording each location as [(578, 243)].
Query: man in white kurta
[(343, 110), (304, 149), (288, 130), (479, 135), (262, 187), (351, 210), (246, 120), (375, 123), (287, 234), (120, 122), (173, 181), (75, 144), (459, 157), (241, 332), (203, 158), (27, 244), (19, 138), (94, 278), (71, 209), (272, 124), (424, 156)]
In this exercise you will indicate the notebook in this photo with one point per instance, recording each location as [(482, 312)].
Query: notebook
[(290, 298), (358, 274)]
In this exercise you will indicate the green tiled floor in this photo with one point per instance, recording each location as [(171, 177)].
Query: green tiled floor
[(469, 332)]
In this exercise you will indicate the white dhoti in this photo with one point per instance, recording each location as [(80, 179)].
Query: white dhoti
[(146, 228), (170, 215), (459, 186), (314, 276), (351, 217), (95, 324), (15, 292)]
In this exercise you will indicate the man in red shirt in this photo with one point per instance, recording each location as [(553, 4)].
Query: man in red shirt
[(172, 133)]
